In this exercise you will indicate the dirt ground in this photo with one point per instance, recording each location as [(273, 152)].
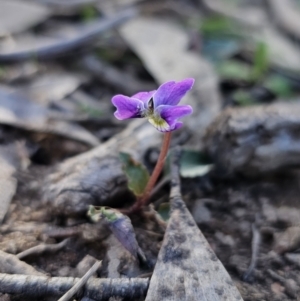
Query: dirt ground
[(225, 211), (230, 210)]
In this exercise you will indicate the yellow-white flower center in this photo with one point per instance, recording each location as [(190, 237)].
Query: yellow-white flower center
[(155, 119)]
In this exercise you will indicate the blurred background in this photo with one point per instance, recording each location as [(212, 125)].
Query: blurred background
[(61, 61)]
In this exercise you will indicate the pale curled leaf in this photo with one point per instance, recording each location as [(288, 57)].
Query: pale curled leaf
[(120, 225), (279, 85)]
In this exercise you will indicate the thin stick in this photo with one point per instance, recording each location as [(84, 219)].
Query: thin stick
[(40, 249), (156, 172), (96, 289), (71, 292)]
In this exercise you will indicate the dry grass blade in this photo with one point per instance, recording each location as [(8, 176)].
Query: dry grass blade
[(189, 267), (255, 249), (70, 293)]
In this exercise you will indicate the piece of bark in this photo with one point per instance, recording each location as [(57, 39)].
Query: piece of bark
[(8, 186), (96, 177), (256, 140), (96, 289), (10, 264), (189, 268), (12, 157)]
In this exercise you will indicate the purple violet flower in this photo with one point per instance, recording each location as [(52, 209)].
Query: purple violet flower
[(160, 106)]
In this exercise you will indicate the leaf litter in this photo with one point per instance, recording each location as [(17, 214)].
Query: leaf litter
[(60, 146)]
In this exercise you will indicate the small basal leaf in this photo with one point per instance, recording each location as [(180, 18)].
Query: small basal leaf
[(261, 61), (89, 13), (220, 48), (194, 164), (164, 211), (243, 98), (136, 173), (234, 70), (279, 85), (216, 26)]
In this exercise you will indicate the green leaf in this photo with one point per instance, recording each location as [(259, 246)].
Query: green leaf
[(94, 214), (216, 26), (279, 85), (194, 164), (136, 173), (234, 70), (243, 98), (164, 211), (92, 112), (88, 13), (261, 61)]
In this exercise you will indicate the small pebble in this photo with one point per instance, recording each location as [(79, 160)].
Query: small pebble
[(291, 288), (200, 212)]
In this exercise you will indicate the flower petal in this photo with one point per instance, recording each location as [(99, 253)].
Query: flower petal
[(178, 125), (171, 114), (144, 96), (170, 93), (127, 107)]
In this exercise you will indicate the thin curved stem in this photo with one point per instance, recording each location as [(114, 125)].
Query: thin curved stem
[(156, 172)]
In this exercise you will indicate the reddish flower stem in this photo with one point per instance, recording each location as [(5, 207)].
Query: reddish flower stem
[(156, 172)]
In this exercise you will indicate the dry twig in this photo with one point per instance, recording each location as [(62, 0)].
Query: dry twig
[(12, 265), (96, 289), (40, 249)]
